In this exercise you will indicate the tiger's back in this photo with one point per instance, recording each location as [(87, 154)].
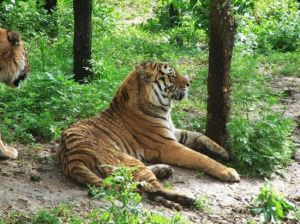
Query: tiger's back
[(137, 128)]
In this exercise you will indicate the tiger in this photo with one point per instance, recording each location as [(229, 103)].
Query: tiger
[(14, 68), (137, 128)]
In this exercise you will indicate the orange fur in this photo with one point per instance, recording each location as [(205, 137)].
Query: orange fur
[(13, 69), (137, 128)]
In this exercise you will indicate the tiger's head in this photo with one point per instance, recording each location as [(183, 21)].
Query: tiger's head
[(14, 65), (162, 83)]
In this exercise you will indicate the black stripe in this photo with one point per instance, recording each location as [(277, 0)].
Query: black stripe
[(143, 143), (157, 82), (181, 137), (160, 100), (164, 137), (164, 81), (117, 141), (185, 137), (160, 126), (152, 139), (125, 95), (148, 113)]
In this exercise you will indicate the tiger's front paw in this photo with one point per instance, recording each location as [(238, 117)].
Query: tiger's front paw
[(230, 174), (8, 153)]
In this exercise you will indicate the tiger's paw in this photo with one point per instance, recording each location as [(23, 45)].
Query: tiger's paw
[(161, 171), (230, 174), (223, 153), (172, 199), (8, 153)]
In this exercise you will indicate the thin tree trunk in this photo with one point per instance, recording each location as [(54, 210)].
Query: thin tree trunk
[(50, 6), (222, 30), (174, 15), (82, 68)]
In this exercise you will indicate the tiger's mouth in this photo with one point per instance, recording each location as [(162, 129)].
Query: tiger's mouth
[(17, 81), (180, 94)]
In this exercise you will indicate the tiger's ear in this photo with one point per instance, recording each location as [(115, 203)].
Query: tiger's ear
[(13, 38), (143, 73)]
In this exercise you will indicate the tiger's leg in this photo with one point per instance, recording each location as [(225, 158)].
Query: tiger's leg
[(79, 172), (7, 152), (161, 171), (86, 167), (174, 153), (149, 183), (199, 142)]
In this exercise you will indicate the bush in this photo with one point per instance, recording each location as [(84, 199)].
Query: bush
[(262, 145), (44, 106), (272, 205), (271, 25), (119, 190)]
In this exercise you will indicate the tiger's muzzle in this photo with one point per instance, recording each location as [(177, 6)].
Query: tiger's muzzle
[(180, 94)]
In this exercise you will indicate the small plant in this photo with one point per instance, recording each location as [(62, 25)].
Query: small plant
[(125, 204), (168, 185), (200, 174), (261, 146), (119, 190), (202, 204), (272, 205)]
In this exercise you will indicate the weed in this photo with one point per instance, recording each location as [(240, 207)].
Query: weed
[(125, 204), (200, 174), (251, 222), (168, 185), (272, 205), (202, 204), (261, 145)]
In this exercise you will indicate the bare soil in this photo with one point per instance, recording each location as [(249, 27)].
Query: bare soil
[(35, 181)]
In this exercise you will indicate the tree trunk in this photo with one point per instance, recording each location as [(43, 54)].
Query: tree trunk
[(82, 68), (174, 15), (50, 5), (222, 29)]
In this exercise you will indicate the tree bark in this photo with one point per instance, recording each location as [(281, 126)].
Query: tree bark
[(50, 6), (174, 15), (222, 30), (82, 68)]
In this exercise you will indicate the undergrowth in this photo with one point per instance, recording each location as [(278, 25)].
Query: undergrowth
[(124, 207), (273, 207), (50, 100)]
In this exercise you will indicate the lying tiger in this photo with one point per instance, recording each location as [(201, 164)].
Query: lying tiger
[(14, 68), (137, 128)]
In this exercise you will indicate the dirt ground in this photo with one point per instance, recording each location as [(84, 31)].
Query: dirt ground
[(35, 181)]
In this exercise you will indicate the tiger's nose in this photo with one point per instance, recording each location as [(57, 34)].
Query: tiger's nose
[(186, 81)]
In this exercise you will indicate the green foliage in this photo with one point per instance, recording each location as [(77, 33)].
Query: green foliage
[(168, 185), (271, 25), (14, 217), (261, 145), (119, 187), (44, 106), (272, 205), (202, 204), (200, 174), (50, 100), (119, 190), (124, 207), (280, 64)]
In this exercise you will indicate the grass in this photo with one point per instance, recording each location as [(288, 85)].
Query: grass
[(124, 207), (202, 204), (273, 207), (282, 64), (50, 100)]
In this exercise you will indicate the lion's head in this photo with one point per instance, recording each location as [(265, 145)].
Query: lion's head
[(14, 65)]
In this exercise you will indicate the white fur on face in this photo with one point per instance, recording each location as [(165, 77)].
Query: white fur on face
[(10, 71), (168, 70)]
